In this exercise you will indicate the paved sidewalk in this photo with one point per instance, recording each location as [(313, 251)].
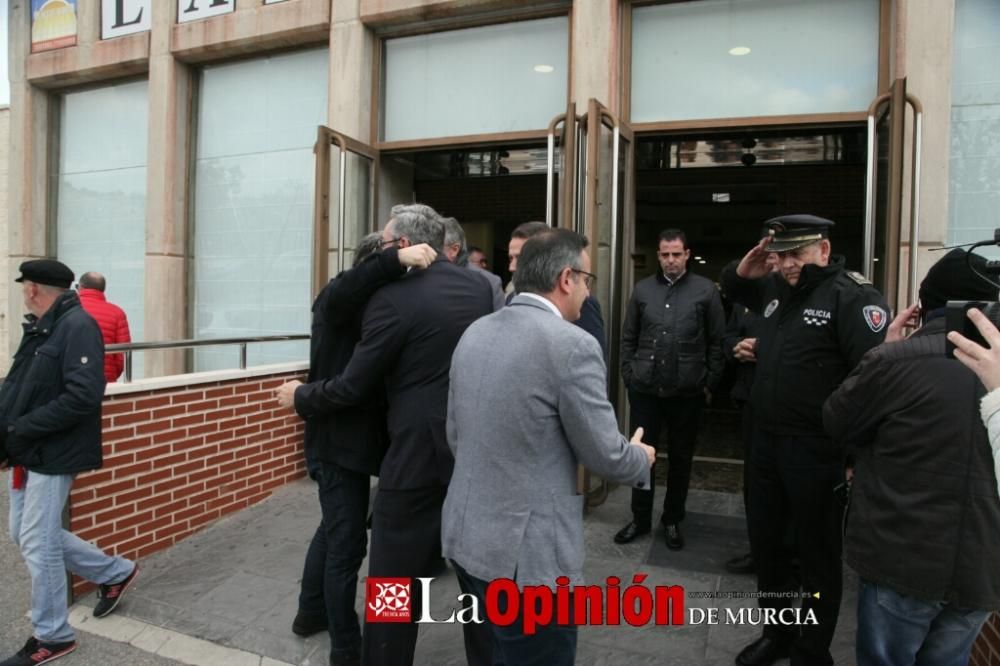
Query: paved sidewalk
[(235, 585)]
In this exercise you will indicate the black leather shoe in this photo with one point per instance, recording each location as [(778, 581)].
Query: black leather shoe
[(762, 652), (742, 564), (307, 624), (631, 532), (672, 532)]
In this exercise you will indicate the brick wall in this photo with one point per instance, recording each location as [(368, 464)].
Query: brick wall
[(986, 649), (179, 458)]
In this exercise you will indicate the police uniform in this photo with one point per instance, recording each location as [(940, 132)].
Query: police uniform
[(811, 336)]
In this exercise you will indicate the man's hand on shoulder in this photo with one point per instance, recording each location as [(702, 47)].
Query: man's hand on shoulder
[(417, 256), (285, 394), (648, 450)]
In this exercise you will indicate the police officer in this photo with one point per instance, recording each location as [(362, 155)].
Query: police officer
[(818, 320)]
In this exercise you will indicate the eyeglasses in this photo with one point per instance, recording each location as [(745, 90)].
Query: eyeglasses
[(386, 243), (588, 278)]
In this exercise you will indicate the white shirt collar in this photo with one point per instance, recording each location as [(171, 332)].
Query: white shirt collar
[(549, 304)]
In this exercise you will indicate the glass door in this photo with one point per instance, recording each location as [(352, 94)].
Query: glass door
[(606, 222), (344, 208), (607, 164), (884, 192), (564, 189)]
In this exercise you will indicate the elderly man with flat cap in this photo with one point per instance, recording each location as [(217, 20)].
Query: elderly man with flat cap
[(50, 406), (818, 321)]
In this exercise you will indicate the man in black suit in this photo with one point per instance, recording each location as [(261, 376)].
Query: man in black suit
[(409, 331), (591, 318), (343, 450)]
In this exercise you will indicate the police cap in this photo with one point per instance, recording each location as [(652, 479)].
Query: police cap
[(790, 232), (46, 271)]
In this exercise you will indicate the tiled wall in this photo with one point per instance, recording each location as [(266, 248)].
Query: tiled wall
[(974, 188), (177, 459)]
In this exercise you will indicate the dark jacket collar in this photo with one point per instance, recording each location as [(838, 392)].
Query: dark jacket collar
[(662, 279), (67, 301), (813, 274)]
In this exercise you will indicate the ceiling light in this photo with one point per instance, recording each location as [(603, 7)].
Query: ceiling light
[(702, 262), (697, 258), (544, 69), (739, 50)]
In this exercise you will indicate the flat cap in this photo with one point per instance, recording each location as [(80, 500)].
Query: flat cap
[(790, 232), (46, 271)]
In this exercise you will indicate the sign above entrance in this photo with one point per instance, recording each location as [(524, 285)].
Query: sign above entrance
[(124, 17), (193, 10)]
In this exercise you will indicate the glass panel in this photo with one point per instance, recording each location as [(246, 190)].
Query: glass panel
[(605, 214), (736, 58), (499, 78), (357, 214), (254, 180), (101, 191), (974, 176)]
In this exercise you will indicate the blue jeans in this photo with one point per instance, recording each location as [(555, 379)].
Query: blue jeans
[(330, 574), (49, 550), (898, 630), (552, 645)]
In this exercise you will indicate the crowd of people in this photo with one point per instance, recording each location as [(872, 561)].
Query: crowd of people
[(475, 405)]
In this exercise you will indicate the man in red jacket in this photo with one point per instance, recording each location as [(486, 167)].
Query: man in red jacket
[(109, 317)]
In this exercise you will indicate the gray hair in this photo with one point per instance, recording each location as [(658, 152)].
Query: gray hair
[(369, 245), (453, 233), (544, 256), (419, 223)]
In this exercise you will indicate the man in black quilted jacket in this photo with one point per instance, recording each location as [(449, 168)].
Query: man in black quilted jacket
[(671, 359), (50, 406)]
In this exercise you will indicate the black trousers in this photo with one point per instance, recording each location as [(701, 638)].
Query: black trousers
[(681, 416), (793, 479), (406, 543), (330, 573)]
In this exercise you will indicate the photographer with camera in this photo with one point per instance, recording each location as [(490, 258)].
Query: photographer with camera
[(924, 514), (985, 362)]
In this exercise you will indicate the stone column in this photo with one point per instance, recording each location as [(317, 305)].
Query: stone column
[(29, 162), (168, 190)]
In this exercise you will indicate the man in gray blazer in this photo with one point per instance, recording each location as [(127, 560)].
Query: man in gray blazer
[(512, 510)]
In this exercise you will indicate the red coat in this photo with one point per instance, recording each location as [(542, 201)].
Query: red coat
[(114, 327)]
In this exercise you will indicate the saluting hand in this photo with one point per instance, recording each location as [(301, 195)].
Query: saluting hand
[(417, 256), (754, 264), (983, 361), (649, 450), (285, 394)]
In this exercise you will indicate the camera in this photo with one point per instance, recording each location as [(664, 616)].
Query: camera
[(956, 320)]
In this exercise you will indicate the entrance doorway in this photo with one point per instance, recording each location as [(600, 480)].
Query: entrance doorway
[(719, 188), (490, 190)]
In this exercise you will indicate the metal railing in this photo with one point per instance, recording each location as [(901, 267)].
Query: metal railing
[(128, 347)]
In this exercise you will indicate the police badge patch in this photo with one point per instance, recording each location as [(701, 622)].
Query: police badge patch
[(875, 317), (771, 307)]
